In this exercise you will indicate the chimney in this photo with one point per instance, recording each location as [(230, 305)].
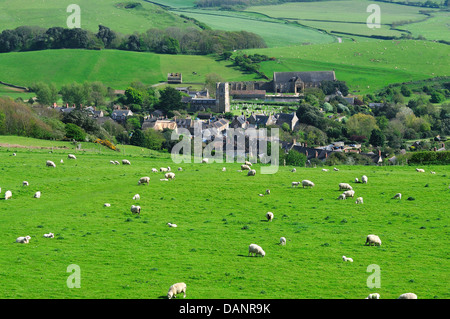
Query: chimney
[(379, 153), (317, 154), (435, 149), (294, 141)]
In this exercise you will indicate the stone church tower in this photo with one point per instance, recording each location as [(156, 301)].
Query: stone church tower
[(222, 97)]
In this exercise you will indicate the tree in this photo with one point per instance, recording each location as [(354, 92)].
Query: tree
[(170, 99), (310, 115), (405, 91), (75, 132), (295, 158), (377, 138), (45, 94), (134, 96), (74, 93), (138, 138), (437, 97), (361, 124)]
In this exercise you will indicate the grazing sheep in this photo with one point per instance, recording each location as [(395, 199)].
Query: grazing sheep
[(144, 180), (336, 169), (61, 161), (357, 180), (23, 240), (347, 259), (205, 161), (224, 169), (294, 184), (248, 163), (107, 205), (136, 209), (154, 170), (269, 216), (8, 195), (112, 162), (126, 162), (163, 169), (71, 156), (267, 191), (408, 295), (25, 183), (14, 154), (398, 195), (168, 168), (261, 195), (345, 186), (116, 162), (37, 194), (432, 172), (136, 197), (293, 170), (364, 179), (373, 296), (50, 163), (255, 249), (251, 172), (177, 288), (324, 170), (245, 167), (180, 169), (349, 193), (341, 197), (307, 183), (163, 179), (420, 170), (172, 225), (282, 241), (49, 235), (169, 175), (359, 200), (373, 239)]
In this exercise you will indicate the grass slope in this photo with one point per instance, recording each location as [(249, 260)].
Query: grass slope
[(126, 256)]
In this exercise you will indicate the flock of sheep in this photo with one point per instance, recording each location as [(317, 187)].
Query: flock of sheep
[(253, 249)]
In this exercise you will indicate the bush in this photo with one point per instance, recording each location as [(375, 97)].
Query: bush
[(75, 132), (295, 158), (430, 158)]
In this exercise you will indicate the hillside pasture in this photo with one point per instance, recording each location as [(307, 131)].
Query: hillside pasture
[(218, 214)]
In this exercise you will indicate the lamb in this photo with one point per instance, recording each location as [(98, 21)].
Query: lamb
[(136, 209), (261, 195), (408, 295), (251, 172), (294, 184), (324, 170), (267, 191), (50, 163), (420, 170), (373, 239), (359, 200), (398, 195), (154, 170), (336, 169), (349, 193), (224, 169), (37, 194), (107, 205), (205, 161), (71, 156), (345, 186), (180, 169), (245, 167), (23, 240), (8, 195), (126, 162), (163, 179), (112, 162), (136, 197), (432, 172), (169, 175), (116, 162), (172, 225), (347, 259), (282, 241), (357, 180), (364, 179), (341, 197), (25, 183), (269, 216), (61, 161), (144, 180), (177, 288), (373, 296), (307, 183), (255, 249), (293, 170), (49, 235)]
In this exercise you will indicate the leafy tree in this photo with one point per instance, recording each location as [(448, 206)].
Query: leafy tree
[(377, 138), (75, 132), (170, 99), (154, 139), (138, 138), (405, 91), (46, 94), (134, 96), (106, 35), (310, 115), (361, 124), (437, 97), (74, 93), (295, 158)]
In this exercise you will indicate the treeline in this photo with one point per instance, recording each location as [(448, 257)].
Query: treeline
[(169, 41)]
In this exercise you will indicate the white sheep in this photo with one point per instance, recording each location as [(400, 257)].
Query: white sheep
[(106, 205), (110, 162), (373, 239), (169, 175), (224, 169), (364, 179), (357, 180), (61, 161), (307, 183), (359, 200), (324, 170), (71, 156), (432, 172), (282, 241), (14, 154), (163, 169), (349, 193), (116, 162), (408, 295), (163, 179), (345, 186), (251, 172), (295, 184), (293, 170), (25, 183), (154, 170), (261, 195), (341, 197), (136, 197), (172, 225), (144, 180), (126, 162), (248, 163), (267, 191), (205, 161), (50, 163), (245, 167), (49, 235), (180, 169), (398, 195), (8, 195), (23, 240), (373, 296), (255, 249), (269, 216), (175, 289), (37, 194), (168, 168), (336, 169), (420, 170), (347, 259), (136, 209)]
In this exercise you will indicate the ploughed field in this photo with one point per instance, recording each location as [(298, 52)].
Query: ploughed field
[(219, 214)]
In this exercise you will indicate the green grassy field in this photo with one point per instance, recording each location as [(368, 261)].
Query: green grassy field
[(51, 13), (218, 214)]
